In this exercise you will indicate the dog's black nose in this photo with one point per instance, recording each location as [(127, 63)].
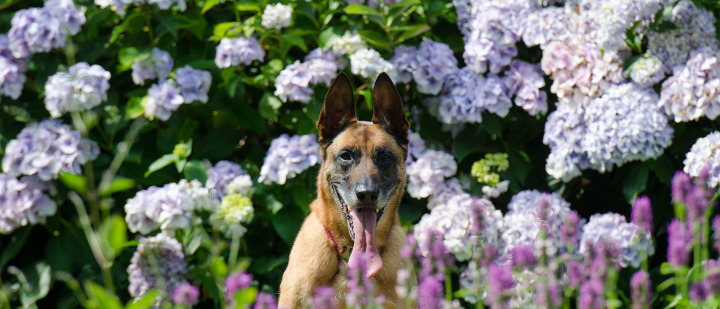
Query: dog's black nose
[(366, 194)]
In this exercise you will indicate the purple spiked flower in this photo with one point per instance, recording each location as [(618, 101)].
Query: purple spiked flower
[(678, 239), (522, 255), (265, 301), (698, 292), (430, 292), (642, 213), (324, 298), (186, 294), (641, 292), (236, 282), (680, 186), (500, 282)]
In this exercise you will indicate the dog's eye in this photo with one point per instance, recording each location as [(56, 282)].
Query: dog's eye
[(345, 156), (385, 158)]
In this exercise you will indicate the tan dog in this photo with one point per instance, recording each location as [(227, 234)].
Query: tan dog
[(360, 185)]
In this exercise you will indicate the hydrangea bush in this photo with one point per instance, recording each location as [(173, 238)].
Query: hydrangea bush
[(163, 153)]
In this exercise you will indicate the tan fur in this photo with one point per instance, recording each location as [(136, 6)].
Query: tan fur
[(314, 260)]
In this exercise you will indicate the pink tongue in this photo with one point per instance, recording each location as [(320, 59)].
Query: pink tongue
[(364, 220)]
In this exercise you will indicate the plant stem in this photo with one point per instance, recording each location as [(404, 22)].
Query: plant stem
[(123, 149), (92, 239), (90, 190)]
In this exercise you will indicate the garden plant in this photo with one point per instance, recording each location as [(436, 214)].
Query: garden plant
[(163, 153)]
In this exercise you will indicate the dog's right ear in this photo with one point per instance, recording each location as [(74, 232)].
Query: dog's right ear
[(338, 111)]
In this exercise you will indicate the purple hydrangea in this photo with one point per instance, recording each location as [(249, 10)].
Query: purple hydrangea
[(433, 62), (490, 46), (327, 55), (403, 60), (265, 301), (236, 282), (293, 83), (39, 30), (12, 70), (524, 80), (628, 238), (194, 84), (22, 203), (166, 4), (692, 91), (186, 294), (233, 52), (540, 27), (466, 95), (288, 157), (277, 16), (81, 88), (163, 99), (442, 193), (227, 178), (642, 213), (640, 290), (679, 238), (324, 298), (428, 172), (157, 65), (158, 263), (47, 148), (704, 154)]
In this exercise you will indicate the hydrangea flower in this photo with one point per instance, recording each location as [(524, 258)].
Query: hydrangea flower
[(233, 52), (442, 193), (277, 16), (157, 65), (564, 133), (39, 30), (692, 91), (540, 27), (647, 70), (627, 237), (610, 19), (12, 70), (22, 203), (624, 125), (403, 61), (466, 95), (368, 63), (491, 44), (705, 153), (227, 178), (428, 172), (47, 148), (168, 208), (81, 88), (165, 4), (530, 212), (327, 55), (347, 44), (293, 83), (234, 210), (695, 28), (163, 99), (194, 84), (158, 263), (322, 71), (433, 62), (289, 156), (463, 222), (524, 80)]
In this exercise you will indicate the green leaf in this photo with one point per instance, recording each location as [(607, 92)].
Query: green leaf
[(287, 223), (269, 106), (662, 167), (104, 299), (127, 56), (209, 4), (160, 163), (74, 182), (291, 39), (520, 165), (135, 107), (463, 148), (248, 6), (39, 280), (245, 297), (147, 301), (635, 181), (207, 280), (272, 204), (360, 9), (412, 32), (180, 164), (118, 184), (195, 169), (113, 235), (13, 244), (674, 301), (374, 38)]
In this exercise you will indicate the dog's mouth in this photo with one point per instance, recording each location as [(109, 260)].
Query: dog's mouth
[(361, 226)]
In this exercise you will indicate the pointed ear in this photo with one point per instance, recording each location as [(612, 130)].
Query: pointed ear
[(338, 110), (388, 110)]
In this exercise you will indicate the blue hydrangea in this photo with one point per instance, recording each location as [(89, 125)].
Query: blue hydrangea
[(293, 83), (233, 52), (404, 60), (22, 203), (81, 88), (12, 70), (427, 174), (289, 156), (227, 178), (705, 153), (466, 95), (163, 99), (692, 91), (433, 62), (524, 80), (47, 148), (277, 16), (539, 27), (564, 132), (327, 55), (490, 45), (38, 30), (156, 66), (166, 4), (614, 229), (158, 263), (194, 84)]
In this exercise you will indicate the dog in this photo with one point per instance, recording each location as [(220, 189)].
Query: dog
[(359, 188)]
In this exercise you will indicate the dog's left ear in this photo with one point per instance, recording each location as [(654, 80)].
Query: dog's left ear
[(388, 110)]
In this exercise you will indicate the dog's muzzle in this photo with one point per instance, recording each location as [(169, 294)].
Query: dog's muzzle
[(346, 210)]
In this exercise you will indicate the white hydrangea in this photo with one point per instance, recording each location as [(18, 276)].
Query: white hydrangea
[(347, 44), (428, 172), (626, 236), (368, 63), (647, 70), (705, 153), (692, 91), (277, 16), (234, 211)]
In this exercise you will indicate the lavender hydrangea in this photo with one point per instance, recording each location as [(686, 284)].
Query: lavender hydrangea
[(194, 84), (327, 55), (466, 95), (277, 16), (157, 65), (624, 125), (163, 99), (705, 153), (322, 71), (524, 80), (691, 92), (540, 27), (39, 30), (293, 83), (12, 70), (647, 70), (403, 61), (695, 28), (432, 62), (627, 237), (564, 133), (368, 63), (166, 4), (288, 157), (47, 148), (531, 212), (428, 172), (490, 46), (22, 203), (227, 177), (81, 88), (233, 52), (168, 208), (158, 263)]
